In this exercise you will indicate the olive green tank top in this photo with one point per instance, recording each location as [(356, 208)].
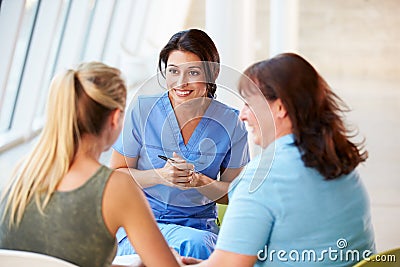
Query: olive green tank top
[(72, 226)]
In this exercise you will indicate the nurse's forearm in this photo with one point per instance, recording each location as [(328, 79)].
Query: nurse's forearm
[(145, 178), (212, 189)]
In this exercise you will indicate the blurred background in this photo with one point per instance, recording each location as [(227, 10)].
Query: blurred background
[(355, 45)]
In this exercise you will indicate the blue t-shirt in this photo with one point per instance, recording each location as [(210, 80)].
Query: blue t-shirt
[(277, 204), (218, 141)]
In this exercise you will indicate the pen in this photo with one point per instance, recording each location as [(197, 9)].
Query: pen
[(166, 158), (172, 160)]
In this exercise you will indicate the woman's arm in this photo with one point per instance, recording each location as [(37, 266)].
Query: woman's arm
[(128, 165), (223, 258), (124, 205), (170, 175)]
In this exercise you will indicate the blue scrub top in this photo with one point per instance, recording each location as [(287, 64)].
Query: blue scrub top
[(218, 141)]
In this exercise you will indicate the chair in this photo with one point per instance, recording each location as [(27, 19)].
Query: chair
[(31, 259), (127, 260), (221, 212), (388, 258)]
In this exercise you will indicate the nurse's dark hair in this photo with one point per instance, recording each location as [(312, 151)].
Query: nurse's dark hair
[(199, 43), (315, 111)]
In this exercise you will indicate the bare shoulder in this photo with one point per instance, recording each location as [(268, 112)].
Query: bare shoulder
[(120, 183), (122, 191), (121, 200)]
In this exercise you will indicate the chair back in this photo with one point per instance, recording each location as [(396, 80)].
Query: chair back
[(31, 259), (221, 213)]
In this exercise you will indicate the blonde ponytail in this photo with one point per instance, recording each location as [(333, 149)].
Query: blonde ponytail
[(79, 103), (50, 159)]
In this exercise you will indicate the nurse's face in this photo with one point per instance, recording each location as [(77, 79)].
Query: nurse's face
[(185, 77)]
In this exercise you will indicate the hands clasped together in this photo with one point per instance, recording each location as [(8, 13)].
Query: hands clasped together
[(178, 172)]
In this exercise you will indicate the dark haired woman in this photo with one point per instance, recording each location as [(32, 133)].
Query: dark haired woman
[(200, 137), (300, 202)]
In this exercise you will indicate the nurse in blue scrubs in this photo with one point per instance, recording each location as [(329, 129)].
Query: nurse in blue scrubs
[(203, 139)]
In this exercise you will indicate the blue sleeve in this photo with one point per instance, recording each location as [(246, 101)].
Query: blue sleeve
[(249, 218), (129, 141), (238, 154)]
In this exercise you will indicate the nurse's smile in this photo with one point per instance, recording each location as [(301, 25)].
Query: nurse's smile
[(182, 93)]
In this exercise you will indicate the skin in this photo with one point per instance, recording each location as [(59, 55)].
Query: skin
[(124, 204), (185, 78), (187, 92)]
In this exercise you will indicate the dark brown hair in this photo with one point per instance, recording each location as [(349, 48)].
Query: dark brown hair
[(314, 110), (199, 43)]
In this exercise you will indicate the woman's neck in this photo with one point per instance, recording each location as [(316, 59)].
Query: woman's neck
[(285, 127), (194, 108), (84, 165), (90, 147)]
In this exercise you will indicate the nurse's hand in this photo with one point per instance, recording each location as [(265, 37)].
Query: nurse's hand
[(177, 172)]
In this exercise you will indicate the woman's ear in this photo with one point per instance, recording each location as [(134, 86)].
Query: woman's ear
[(116, 117), (281, 111)]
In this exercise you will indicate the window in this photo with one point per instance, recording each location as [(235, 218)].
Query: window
[(43, 37), (54, 53), (13, 86)]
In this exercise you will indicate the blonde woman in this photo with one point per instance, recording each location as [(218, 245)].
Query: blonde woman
[(62, 201)]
